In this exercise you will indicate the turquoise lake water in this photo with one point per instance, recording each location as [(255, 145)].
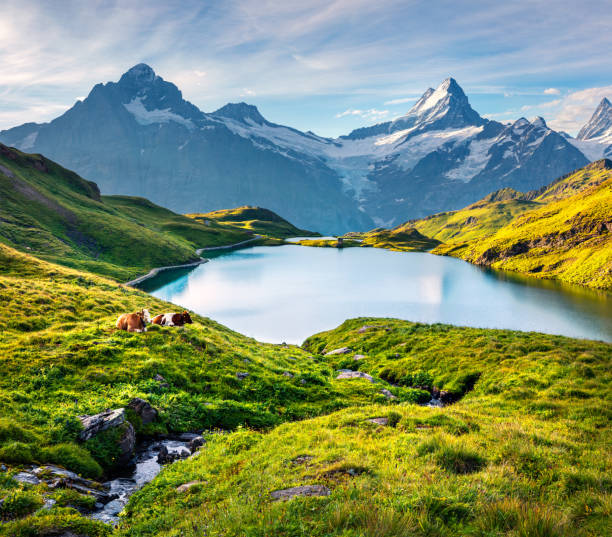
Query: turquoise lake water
[(286, 293)]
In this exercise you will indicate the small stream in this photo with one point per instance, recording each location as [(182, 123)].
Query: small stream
[(145, 470)]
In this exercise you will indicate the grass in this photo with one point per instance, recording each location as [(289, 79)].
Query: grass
[(524, 448), (522, 453), (254, 220), (562, 231)]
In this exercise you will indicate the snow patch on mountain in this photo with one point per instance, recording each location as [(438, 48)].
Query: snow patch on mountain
[(28, 142), (474, 163), (151, 117)]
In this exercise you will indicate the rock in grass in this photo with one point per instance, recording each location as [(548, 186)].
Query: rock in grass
[(348, 374), (111, 419), (26, 477), (195, 443), (358, 357), (287, 374), (241, 375), (379, 421), (306, 490), (186, 486), (92, 425), (341, 350), (364, 328), (144, 409), (388, 394)]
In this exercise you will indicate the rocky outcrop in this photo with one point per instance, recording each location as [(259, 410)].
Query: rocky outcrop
[(306, 490), (144, 410), (342, 350), (379, 421), (388, 394), (105, 421), (185, 487), (348, 374)]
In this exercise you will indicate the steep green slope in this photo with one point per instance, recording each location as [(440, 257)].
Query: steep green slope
[(569, 238), (55, 214), (254, 220), (61, 357), (523, 453), (478, 220)]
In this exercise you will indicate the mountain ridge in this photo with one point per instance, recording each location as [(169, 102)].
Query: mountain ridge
[(135, 135)]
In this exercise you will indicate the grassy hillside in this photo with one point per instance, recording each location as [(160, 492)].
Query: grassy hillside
[(255, 220), (401, 238), (53, 213), (523, 453), (478, 220), (569, 238), (60, 357)]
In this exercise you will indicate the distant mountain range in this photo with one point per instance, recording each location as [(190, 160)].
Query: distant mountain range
[(139, 136)]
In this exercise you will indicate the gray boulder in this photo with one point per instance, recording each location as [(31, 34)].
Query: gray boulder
[(348, 374), (341, 350), (111, 419), (143, 408), (26, 477)]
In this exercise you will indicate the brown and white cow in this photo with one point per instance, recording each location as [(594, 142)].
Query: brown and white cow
[(134, 322), (172, 319)]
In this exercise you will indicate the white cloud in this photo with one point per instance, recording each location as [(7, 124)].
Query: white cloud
[(548, 104), (246, 92), (577, 108), (372, 113), (552, 91), (402, 100)]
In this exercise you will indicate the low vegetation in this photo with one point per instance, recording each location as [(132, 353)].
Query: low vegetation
[(255, 220), (524, 445), (569, 238), (523, 452)]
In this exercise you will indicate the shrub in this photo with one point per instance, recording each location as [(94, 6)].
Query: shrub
[(393, 418), (459, 459), (9, 430), (74, 458), (104, 447), (18, 453), (19, 504), (70, 497)]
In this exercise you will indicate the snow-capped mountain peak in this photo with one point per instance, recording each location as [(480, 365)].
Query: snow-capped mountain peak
[(538, 121), (445, 107), (600, 123)]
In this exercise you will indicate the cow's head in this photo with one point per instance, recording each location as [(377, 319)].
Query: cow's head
[(144, 316), (186, 318)]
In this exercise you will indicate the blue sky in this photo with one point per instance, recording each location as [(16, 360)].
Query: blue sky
[(327, 66)]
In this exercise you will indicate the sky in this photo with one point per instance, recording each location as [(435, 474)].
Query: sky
[(323, 65)]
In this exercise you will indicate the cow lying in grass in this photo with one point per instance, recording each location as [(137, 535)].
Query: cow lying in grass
[(134, 322), (172, 319)]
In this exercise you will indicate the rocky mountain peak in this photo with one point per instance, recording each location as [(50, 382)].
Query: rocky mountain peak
[(600, 122), (140, 74), (240, 112)]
